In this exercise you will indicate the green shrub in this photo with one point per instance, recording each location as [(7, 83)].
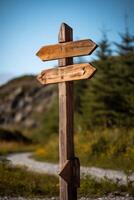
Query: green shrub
[(108, 148), (99, 146)]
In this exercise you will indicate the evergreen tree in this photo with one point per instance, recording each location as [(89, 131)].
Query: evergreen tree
[(127, 41), (108, 98), (104, 50)]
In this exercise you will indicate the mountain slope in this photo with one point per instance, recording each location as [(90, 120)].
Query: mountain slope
[(23, 101)]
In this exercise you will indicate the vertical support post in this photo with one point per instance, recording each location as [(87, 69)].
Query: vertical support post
[(68, 190)]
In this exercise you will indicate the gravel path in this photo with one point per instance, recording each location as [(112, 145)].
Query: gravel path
[(83, 198), (24, 159)]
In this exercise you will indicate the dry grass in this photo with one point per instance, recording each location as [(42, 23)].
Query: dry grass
[(12, 147), (105, 148)]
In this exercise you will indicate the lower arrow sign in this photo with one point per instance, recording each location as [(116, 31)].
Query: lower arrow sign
[(66, 171), (67, 73)]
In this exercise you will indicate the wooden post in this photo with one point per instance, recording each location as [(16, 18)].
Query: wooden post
[(65, 51), (66, 145)]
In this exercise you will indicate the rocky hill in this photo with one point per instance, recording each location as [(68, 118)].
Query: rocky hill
[(23, 101)]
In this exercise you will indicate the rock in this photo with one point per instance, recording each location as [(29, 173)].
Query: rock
[(22, 101), (16, 93), (28, 99), (2, 120), (39, 108), (18, 117), (28, 109), (15, 103), (30, 123)]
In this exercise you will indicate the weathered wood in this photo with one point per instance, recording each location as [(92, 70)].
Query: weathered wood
[(67, 49), (68, 73), (71, 172), (64, 74), (66, 171), (66, 145)]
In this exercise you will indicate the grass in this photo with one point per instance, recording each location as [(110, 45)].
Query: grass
[(91, 188), (112, 149), (13, 147), (14, 141), (16, 181), (48, 151), (109, 148)]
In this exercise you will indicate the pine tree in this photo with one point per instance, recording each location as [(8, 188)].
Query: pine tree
[(108, 99), (104, 50), (127, 41)]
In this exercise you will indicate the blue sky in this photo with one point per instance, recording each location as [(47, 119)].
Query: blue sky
[(26, 25)]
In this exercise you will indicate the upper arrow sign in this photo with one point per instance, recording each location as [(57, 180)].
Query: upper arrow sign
[(68, 49), (68, 73)]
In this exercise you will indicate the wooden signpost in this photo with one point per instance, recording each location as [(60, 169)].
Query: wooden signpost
[(68, 73), (65, 74), (65, 50)]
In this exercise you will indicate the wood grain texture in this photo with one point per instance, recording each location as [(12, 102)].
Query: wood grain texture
[(66, 144), (66, 49), (68, 73)]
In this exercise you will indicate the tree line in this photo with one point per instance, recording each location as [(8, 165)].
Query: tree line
[(125, 47), (107, 100)]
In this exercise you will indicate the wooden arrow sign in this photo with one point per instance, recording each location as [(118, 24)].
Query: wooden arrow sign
[(68, 73), (70, 169), (66, 171), (68, 49)]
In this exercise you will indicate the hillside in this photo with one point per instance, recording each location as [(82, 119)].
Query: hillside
[(23, 102), (104, 101)]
